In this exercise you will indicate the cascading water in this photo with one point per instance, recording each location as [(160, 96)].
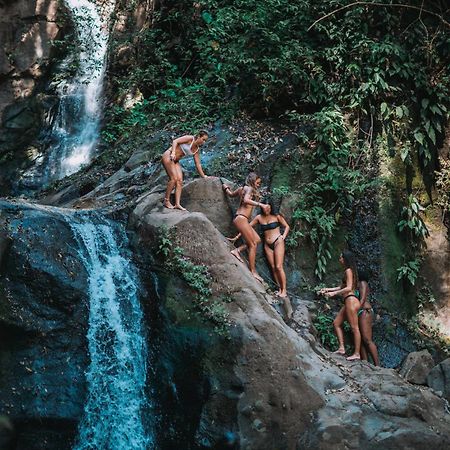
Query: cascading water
[(114, 414), (75, 127)]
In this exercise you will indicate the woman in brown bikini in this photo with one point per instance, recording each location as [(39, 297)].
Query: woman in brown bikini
[(274, 247), (249, 195), (351, 304), (187, 145), (365, 318)]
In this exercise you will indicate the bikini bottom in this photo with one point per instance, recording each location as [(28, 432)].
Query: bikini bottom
[(369, 310), (272, 245)]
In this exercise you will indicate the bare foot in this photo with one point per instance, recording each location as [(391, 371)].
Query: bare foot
[(282, 294), (180, 208), (236, 254), (339, 351), (168, 205), (256, 275), (354, 357)]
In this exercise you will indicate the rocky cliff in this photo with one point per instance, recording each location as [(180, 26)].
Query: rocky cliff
[(28, 30)]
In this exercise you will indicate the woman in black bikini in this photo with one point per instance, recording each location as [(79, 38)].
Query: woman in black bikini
[(241, 219), (365, 318), (351, 304), (274, 247)]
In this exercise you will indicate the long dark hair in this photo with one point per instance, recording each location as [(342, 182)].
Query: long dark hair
[(274, 206), (250, 181), (350, 263), (363, 275)]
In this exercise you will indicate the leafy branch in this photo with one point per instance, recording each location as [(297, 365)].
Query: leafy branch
[(384, 5)]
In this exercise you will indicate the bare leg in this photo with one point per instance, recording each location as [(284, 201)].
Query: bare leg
[(351, 311), (270, 259), (170, 186), (365, 323), (252, 239), (337, 324), (179, 188), (279, 261), (171, 170), (364, 355)]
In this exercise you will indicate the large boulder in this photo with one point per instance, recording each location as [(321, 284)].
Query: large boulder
[(417, 366), (439, 378)]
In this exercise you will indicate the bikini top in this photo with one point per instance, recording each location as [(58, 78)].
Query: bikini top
[(187, 149), (269, 226)]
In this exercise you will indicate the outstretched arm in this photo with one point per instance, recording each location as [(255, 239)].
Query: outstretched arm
[(198, 164), (331, 289), (231, 193), (345, 289)]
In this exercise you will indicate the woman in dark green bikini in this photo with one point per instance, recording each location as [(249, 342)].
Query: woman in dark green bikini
[(365, 318)]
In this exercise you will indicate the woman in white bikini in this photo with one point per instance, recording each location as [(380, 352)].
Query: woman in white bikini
[(187, 145)]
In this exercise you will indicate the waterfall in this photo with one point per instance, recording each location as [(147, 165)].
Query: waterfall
[(75, 127), (114, 414)]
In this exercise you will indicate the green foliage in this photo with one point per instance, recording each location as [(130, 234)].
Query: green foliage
[(122, 123), (413, 225), (323, 323), (412, 221), (443, 187), (425, 298), (198, 279), (334, 182), (409, 271)]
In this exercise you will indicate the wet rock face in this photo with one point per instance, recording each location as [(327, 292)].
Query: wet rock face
[(43, 321), (27, 29)]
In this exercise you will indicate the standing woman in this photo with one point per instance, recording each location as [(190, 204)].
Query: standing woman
[(274, 247), (249, 195), (365, 318), (187, 145), (351, 304)]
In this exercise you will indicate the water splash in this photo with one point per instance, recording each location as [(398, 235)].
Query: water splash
[(116, 401)]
